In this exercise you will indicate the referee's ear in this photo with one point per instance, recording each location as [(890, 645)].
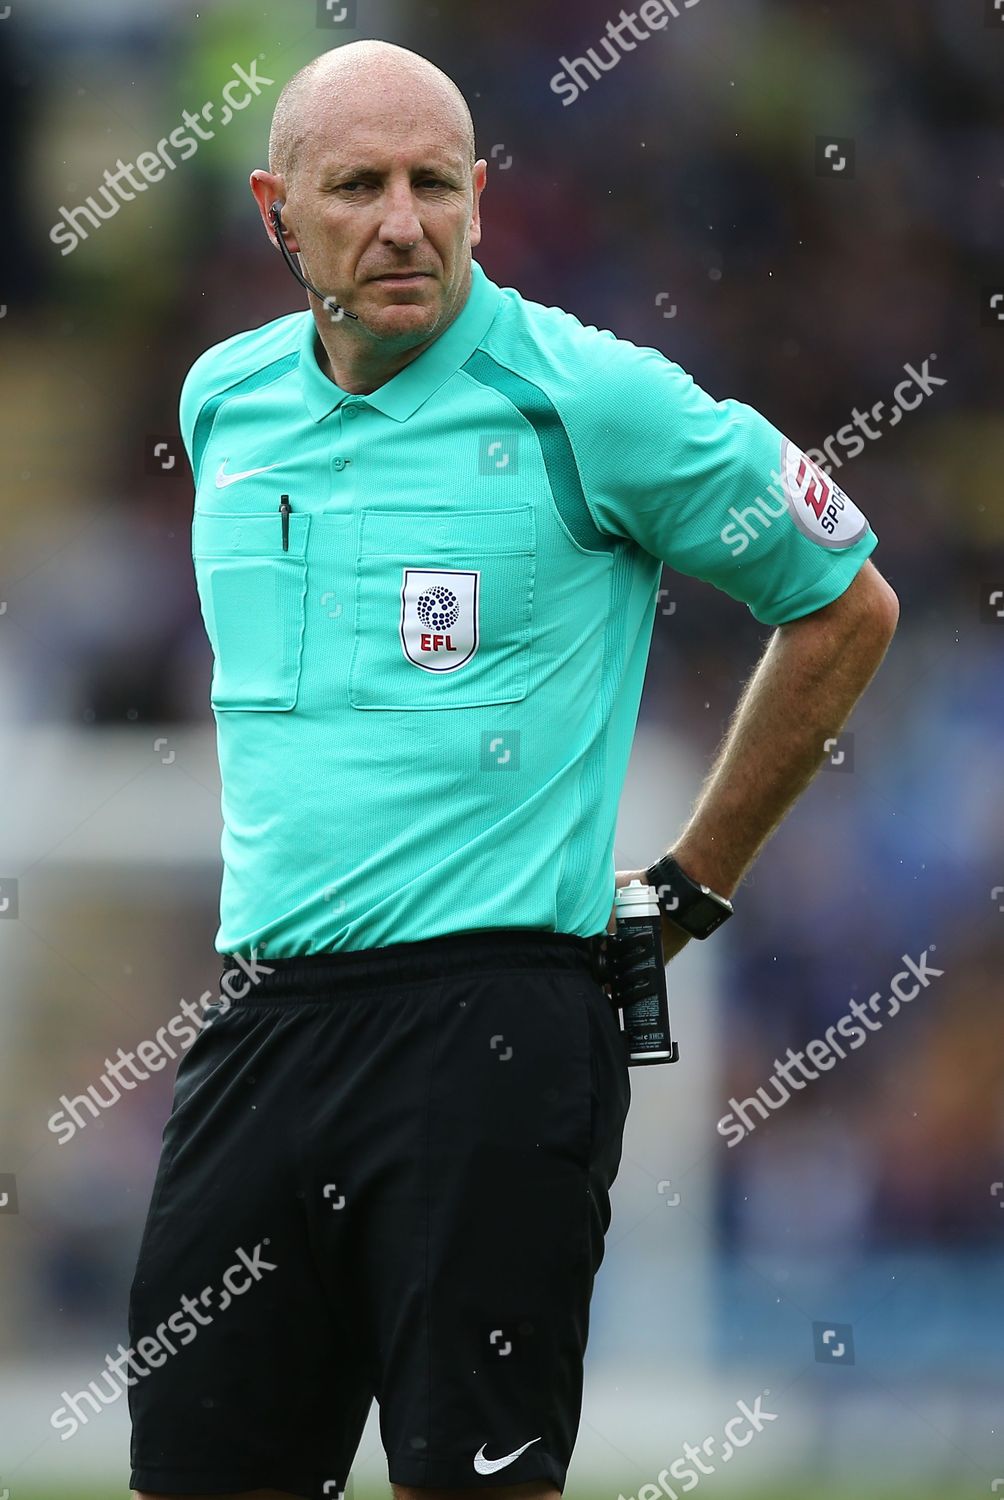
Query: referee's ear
[(269, 188), (479, 177)]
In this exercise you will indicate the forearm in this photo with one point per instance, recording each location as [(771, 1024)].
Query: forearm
[(808, 680)]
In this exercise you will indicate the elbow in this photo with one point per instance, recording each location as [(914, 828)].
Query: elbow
[(884, 609), (870, 607), (867, 614)]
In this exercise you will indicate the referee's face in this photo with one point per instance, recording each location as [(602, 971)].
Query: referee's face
[(385, 210)]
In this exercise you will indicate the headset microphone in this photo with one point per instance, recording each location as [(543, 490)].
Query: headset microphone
[(335, 312)]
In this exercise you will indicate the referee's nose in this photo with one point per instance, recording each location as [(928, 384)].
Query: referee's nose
[(400, 224)]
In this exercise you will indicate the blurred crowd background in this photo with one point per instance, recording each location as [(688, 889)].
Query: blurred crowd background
[(682, 202)]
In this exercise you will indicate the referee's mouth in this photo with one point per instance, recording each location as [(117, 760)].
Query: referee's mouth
[(402, 280)]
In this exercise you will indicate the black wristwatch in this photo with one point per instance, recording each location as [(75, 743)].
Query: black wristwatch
[(696, 908)]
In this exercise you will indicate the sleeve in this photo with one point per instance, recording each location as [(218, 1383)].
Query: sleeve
[(196, 389), (715, 490)]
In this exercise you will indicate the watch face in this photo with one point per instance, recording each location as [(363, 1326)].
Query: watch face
[(706, 914)]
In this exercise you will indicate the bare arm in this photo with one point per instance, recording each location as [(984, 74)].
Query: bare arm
[(808, 680)]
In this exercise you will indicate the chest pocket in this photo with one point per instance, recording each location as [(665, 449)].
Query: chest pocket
[(443, 608), (252, 595)]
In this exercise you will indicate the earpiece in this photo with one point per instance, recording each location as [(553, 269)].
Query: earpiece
[(335, 312)]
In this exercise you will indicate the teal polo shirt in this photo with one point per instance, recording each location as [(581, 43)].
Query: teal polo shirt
[(428, 667)]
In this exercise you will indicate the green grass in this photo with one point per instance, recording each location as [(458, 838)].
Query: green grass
[(114, 1492)]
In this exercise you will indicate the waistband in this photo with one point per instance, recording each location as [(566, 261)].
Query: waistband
[(321, 975)]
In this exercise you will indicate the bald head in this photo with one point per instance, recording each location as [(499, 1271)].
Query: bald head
[(337, 84), (372, 158)]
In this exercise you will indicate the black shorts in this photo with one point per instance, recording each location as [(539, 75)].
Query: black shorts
[(385, 1174)]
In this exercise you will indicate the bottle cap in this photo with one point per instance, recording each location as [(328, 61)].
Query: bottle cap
[(636, 900)]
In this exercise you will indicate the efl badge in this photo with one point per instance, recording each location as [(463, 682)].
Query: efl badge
[(819, 507), (439, 617)]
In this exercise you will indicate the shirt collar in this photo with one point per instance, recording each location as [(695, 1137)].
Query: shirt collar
[(405, 392)]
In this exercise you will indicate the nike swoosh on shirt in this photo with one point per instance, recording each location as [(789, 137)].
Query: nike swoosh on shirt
[(223, 478), (490, 1465)]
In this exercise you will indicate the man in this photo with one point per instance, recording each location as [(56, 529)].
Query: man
[(429, 527)]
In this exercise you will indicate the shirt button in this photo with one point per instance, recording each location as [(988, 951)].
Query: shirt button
[(352, 411), (338, 463)]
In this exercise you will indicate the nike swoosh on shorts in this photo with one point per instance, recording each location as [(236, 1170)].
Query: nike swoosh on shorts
[(490, 1465)]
